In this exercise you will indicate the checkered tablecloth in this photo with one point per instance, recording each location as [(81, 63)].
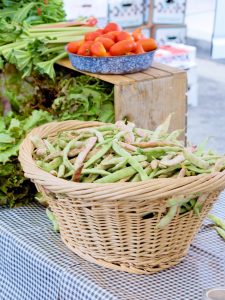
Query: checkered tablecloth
[(36, 265)]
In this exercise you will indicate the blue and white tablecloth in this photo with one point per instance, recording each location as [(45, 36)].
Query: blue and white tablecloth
[(36, 265)]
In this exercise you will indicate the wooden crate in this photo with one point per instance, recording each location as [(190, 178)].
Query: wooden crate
[(148, 97)]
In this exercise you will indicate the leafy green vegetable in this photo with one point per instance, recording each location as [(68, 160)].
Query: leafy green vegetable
[(33, 12), (14, 187), (84, 98), (81, 97)]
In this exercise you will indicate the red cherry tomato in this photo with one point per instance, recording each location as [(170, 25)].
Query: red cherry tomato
[(123, 35), (85, 48), (97, 49), (139, 49), (106, 42), (91, 36), (92, 21), (100, 31), (148, 44), (122, 47), (74, 46), (112, 27), (109, 36), (138, 35)]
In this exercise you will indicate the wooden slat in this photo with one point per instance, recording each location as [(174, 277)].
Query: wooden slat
[(141, 76), (166, 68), (114, 79), (156, 73)]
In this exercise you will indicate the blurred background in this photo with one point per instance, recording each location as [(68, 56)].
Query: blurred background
[(190, 35)]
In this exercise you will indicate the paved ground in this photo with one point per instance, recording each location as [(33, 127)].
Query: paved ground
[(208, 118)]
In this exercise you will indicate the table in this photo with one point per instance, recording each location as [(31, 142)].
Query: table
[(36, 265)]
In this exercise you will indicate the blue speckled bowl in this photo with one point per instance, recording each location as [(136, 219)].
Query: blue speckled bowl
[(112, 64)]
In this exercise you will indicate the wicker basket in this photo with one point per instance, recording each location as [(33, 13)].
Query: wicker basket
[(104, 224)]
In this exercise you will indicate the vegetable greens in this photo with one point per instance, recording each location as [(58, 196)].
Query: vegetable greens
[(14, 187)]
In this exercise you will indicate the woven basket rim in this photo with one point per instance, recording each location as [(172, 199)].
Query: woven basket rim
[(28, 163)]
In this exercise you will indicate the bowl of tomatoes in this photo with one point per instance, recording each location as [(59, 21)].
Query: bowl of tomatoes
[(112, 51)]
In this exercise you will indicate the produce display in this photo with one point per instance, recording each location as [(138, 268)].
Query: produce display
[(112, 41), (123, 153), (14, 187), (35, 48)]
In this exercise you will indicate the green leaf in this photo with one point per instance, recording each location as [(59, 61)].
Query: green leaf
[(14, 127), (23, 59), (6, 138), (6, 155), (22, 14), (37, 118), (46, 67)]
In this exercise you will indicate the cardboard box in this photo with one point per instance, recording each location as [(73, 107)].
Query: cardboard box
[(176, 55), (85, 8), (192, 75), (127, 13), (167, 11), (192, 95), (165, 34), (147, 4)]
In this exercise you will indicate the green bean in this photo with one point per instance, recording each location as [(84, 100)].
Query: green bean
[(53, 155), (221, 232), (62, 144), (132, 161), (61, 170), (178, 201), (106, 141), (199, 203), (154, 164), (90, 178), (120, 165), (197, 170), (90, 143), (201, 147), (174, 135), (94, 171), (107, 127), (98, 135), (195, 160), (220, 163), (168, 217), (49, 146), (53, 219), (98, 155), (183, 210), (162, 128), (218, 221), (136, 178), (41, 149), (193, 202), (168, 170), (54, 164), (174, 161), (37, 142), (153, 173), (154, 153), (118, 175), (66, 161)]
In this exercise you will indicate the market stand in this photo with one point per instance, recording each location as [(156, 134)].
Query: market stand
[(147, 98)]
